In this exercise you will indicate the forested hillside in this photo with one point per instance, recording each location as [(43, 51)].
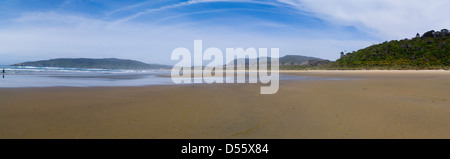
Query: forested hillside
[(429, 51)]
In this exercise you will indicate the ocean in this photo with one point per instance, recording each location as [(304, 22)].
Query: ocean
[(27, 76)]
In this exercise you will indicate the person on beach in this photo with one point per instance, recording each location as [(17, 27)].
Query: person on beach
[(3, 73)]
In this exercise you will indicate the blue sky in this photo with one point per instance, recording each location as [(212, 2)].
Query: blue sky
[(148, 30)]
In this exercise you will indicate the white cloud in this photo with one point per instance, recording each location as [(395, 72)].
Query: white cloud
[(385, 19), (151, 44), (144, 42), (43, 35)]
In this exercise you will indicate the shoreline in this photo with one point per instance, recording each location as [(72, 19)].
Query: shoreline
[(164, 80)]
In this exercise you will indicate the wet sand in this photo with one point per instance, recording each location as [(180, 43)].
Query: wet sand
[(371, 104)]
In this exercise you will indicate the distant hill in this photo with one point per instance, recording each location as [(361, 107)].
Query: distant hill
[(300, 60), (107, 63), (292, 60), (431, 50)]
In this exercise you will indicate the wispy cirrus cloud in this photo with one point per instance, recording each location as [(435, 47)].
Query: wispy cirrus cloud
[(385, 19), (134, 6), (182, 4)]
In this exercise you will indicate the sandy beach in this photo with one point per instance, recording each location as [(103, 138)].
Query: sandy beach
[(369, 104)]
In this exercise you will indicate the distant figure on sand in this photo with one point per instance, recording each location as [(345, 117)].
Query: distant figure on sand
[(3, 73)]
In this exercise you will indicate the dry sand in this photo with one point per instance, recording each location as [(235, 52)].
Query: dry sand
[(373, 104)]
